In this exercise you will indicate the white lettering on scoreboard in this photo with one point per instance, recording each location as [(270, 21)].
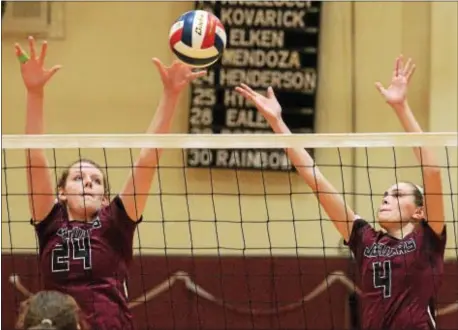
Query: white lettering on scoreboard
[(278, 18), (270, 44), (256, 159), (245, 118), (257, 58), (269, 4), (302, 81), (258, 39)]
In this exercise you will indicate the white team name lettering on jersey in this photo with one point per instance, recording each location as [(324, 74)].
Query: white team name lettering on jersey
[(381, 250), (78, 233)]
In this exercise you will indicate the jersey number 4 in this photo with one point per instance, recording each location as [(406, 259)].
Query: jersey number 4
[(76, 249), (382, 277)]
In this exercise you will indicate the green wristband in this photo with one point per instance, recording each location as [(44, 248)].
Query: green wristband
[(23, 58)]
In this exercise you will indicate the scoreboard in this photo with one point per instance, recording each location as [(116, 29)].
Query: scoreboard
[(269, 43)]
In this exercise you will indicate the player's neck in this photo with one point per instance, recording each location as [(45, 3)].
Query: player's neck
[(401, 232), (75, 216)]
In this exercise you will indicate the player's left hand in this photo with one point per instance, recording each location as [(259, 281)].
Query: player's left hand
[(396, 93), (267, 105), (177, 76)]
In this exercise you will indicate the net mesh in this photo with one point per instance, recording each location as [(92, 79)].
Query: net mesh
[(230, 248)]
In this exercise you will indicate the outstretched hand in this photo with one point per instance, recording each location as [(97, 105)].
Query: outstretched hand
[(396, 93), (34, 74), (177, 76), (267, 105)]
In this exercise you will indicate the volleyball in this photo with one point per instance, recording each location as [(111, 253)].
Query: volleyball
[(198, 38)]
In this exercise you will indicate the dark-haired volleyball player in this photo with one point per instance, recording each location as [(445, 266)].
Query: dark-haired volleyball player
[(86, 240), (400, 267)]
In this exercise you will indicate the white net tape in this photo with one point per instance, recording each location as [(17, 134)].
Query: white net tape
[(230, 141)]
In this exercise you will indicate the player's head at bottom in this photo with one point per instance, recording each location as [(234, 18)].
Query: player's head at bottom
[(50, 310), (402, 204), (83, 189)]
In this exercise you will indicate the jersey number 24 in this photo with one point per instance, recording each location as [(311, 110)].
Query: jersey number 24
[(76, 249)]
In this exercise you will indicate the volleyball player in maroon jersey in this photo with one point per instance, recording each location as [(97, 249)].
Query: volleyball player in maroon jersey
[(85, 240), (400, 267)]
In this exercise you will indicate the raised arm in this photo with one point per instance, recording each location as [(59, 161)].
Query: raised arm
[(333, 203), (39, 179), (396, 96), (135, 192)]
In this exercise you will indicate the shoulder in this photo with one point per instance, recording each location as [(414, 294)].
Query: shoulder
[(360, 232), (360, 224), (116, 214), (361, 227), (56, 214), (428, 235), (424, 225)]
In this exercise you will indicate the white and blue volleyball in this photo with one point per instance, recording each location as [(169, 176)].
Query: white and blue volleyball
[(198, 38)]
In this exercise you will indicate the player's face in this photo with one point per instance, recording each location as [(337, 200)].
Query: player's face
[(398, 206), (84, 191)]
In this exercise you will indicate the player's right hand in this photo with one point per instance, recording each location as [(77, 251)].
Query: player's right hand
[(267, 105), (34, 74), (177, 76)]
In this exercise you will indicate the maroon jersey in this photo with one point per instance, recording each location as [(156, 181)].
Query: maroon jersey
[(399, 277), (89, 261)]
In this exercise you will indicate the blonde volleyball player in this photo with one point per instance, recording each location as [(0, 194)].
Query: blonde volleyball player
[(85, 240), (50, 310), (401, 266)]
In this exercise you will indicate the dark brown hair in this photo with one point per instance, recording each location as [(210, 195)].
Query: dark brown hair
[(63, 177), (50, 310), (417, 194)]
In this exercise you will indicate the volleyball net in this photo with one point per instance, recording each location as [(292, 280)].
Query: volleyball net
[(234, 248)]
